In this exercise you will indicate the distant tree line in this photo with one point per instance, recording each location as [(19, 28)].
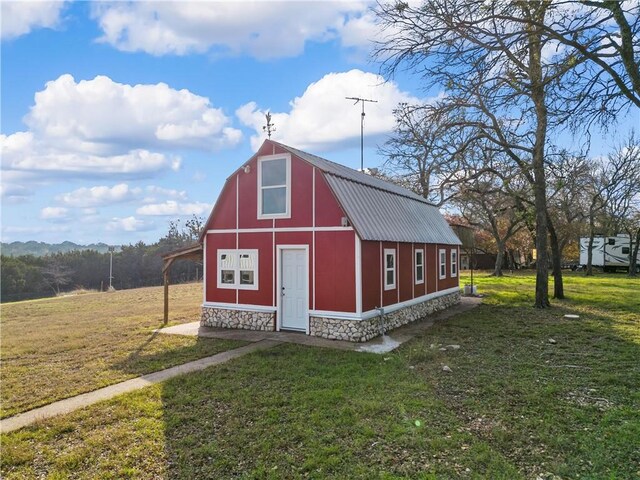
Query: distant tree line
[(136, 265)]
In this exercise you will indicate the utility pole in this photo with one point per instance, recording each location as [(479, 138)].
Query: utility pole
[(361, 100), (111, 249), (269, 127)]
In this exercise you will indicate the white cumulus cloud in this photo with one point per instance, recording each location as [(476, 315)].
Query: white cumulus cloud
[(262, 29), (172, 207), (54, 213), (98, 196), (21, 17), (129, 224), (100, 116), (322, 119), (103, 129)]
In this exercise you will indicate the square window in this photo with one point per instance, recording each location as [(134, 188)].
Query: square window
[(238, 269), (227, 277), (274, 201), (390, 279), (274, 172), (625, 250), (246, 277), (389, 261)]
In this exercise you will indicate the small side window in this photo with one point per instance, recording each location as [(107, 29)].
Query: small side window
[(454, 263), (625, 250), (612, 241), (443, 264), (389, 269), (419, 260)]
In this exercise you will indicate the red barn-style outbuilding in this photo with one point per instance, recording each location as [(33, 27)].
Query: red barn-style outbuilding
[(297, 242)]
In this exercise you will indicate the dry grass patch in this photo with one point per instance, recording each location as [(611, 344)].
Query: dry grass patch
[(60, 347)]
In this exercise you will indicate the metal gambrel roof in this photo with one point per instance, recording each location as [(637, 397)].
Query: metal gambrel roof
[(343, 171), (382, 215), (381, 210)]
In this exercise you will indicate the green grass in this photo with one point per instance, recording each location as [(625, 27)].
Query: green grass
[(514, 405), (60, 347)]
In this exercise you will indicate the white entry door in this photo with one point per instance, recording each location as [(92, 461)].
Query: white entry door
[(293, 289)]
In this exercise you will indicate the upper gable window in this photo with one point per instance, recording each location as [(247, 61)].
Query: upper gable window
[(274, 186)]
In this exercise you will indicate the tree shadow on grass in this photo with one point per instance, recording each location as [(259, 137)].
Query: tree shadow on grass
[(160, 351)]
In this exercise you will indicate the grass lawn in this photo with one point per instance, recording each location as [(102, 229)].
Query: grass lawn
[(60, 347), (515, 405)]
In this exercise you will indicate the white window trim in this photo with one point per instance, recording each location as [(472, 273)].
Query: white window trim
[(454, 263), (236, 278), (442, 253), (266, 158), (415, 261), (389, 251)]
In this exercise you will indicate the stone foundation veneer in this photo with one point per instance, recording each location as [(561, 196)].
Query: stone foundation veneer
[(240, 319), (331, 328), (363, 330)]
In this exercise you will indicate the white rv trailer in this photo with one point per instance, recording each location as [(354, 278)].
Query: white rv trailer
[(610, 253)]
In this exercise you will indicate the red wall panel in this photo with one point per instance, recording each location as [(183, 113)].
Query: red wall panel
[(370, 253), (215, 242), (335, 271), (405, 271), (224, 214), (431, 256), (263, 242), (449, 281), (328, 210)]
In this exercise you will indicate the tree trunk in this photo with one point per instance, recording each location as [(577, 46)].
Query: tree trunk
[(556, 258), (497, 271), (590, 249), (540, 184), (633, 272)]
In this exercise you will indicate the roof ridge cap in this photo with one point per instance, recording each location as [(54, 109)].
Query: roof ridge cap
[(410, 195)]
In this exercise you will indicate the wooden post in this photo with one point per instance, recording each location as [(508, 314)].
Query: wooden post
[(165, 274), (166, 296)]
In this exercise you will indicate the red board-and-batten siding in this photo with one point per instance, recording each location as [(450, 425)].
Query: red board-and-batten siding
[(338, 259), (316, 222)]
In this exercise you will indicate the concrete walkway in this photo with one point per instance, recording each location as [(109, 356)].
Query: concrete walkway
[(74, 403), (383, 344)]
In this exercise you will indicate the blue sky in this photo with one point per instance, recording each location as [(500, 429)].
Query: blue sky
[(119, 117)]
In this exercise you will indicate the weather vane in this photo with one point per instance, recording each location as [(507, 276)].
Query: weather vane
[(269, 127), (362, 100)]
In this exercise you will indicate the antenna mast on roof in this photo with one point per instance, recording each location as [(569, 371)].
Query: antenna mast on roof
[(362, 100), (269, 127)]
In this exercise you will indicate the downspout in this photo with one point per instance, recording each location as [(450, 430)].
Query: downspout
[(381, 314)]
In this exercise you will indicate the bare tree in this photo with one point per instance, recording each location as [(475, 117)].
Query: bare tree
[(485, 204), (623, 194), (56, 274), (597, 40), (494, 72), (613, 190), (420, 153)]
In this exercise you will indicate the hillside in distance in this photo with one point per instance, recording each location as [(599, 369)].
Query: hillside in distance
[(40, 249)]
